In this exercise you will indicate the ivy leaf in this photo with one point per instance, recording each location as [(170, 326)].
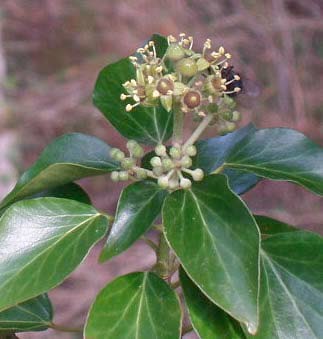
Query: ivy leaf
[(269, 226), (139, 205), (148, 125), (137, 305), (291, 292), (32, 315), (280, 154), (41, 242), (217, 241), (68, 158), (211, 154), (208, 320)]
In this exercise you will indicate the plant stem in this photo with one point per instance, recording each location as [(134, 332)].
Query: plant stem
[(199, 130), (65, 329), (150, 243), (178, 126), (162, 265), (218, 170)]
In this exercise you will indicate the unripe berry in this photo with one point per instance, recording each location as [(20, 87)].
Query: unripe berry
[(175, 52), (186, 161), (115, 176), (131, 144), (127, 163), (197, 174), (167, 164), (114, 152), (137, 151), (191, 150), (175, 152), (163, 182), (119, 155), (187, 67), (123, 176), (155, 162), (158, 171), (160, 150), (173, 184), (185, 183)]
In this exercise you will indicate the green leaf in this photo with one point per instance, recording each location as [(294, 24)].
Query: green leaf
[(217, 241), (291, 292), (139, 205), (148, 125), (208, 320), (280, 154), (269, 226), (211, 154), (135, 306), (68, 158), (69, 191), (32, 315), (41, 242)]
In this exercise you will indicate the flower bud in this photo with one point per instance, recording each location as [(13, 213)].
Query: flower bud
[(191, 150), (131, 144), (167, 102), (123, 176), (115, 176), (137, 151), (155, 162), (197, 174), (160, 150), (113, 152), (202, 64), (185, 183), (173, 184), (187, 67), (119, 155), (158, 171), (163, 182), (175, 152), (167, 164), (127, 163), (141, 173), (186, 161), (175, 52)]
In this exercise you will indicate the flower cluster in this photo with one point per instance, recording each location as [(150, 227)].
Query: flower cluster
[(198, 83)]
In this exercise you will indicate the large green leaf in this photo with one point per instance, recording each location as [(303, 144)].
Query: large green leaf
[(68, 158), (291, 292), (217, 241), (269, 226), (139, 205), (149, 125), (211, 154), (41, 242), (32, 315), (208, 320), (135, 306), (280, 154)]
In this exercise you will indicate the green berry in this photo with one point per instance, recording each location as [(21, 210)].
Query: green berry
[(155, 162), (131, 144), (113, 152), (119, 155), (197, 174), (158, 171), (175, 152), (115, 176), (167, 164), (185, 183), (127, 163), (141, 173), (186, 161), (175, 52), (191, 150), (137, 151), (187, 67), (163, 182), (123, 176), (160, 150)]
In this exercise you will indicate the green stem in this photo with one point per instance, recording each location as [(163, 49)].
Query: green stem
[(163, 251), (150, 243), (65, 329), (178, 126)]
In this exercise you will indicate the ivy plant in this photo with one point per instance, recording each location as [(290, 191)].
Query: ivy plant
[(232, 274)]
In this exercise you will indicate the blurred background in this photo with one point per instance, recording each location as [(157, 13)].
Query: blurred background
[(52, 50)]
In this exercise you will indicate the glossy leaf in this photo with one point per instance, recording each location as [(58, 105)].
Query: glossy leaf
[(208, 320), (69, 191), (269, 226), (68, 158), (291, 298), (217, 241), (135, 306), (41, 242), (148, 125), (212, 153), (32, 315), (280, 154), (139, 205)]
